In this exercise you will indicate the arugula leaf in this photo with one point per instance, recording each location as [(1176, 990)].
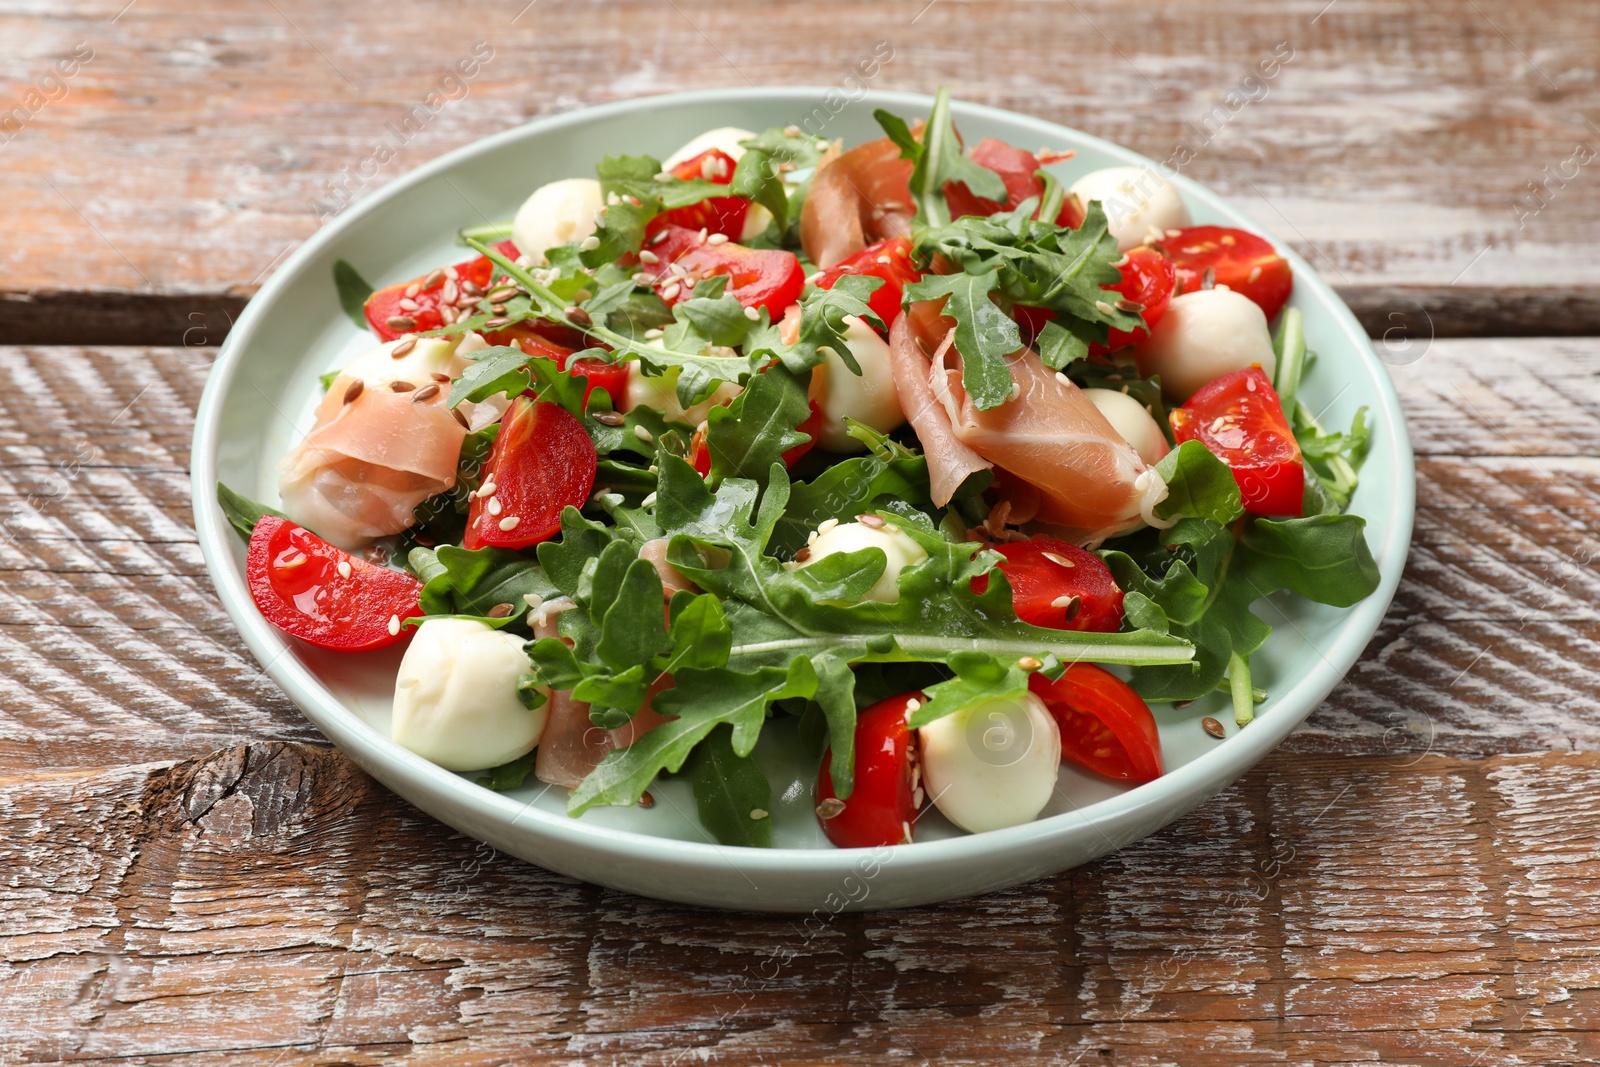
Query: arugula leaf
[(353, 292), (498, 370), (985, 335), (938, 159), (460, 581), (731, 792), (508, 776), (745, 438), (758, 179), (241, 512)]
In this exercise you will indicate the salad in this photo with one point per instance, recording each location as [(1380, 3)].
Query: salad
[(957, 464)]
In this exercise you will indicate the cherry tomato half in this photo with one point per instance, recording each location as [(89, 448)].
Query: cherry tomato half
[(882, 808), (389, 320), (1017, 169), (542, 460), (757, 277), (1058, 585), (717, 214), (1105, 725), (1240, 419), (889, 260), (1240, 260), (322, 594)]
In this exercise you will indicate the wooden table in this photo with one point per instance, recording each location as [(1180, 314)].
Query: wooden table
[(191, 875)]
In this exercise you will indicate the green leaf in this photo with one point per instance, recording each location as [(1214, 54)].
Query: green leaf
[(1324, 558), (241, 512), (509, 776), (353, 292), (747, 437), (1199, 485), (633, 628), (985, 335), (757, 178), (938, 159), (731, 794), (460, 581)]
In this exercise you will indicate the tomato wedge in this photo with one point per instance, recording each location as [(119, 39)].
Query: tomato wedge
[(700, 455), (323, 595), (717, 214), (882, 808), (542, 461), (1105, 725), (889, 260), (1058, 585), (1240, 419), (1016, 168), (757, 277), (1238, 259), (389, 320)]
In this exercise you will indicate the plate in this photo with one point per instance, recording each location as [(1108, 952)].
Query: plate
[(260, 397)]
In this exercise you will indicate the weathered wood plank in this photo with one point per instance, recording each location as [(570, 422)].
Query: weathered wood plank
[(271, 899), (1426, 156), (1492, 645)]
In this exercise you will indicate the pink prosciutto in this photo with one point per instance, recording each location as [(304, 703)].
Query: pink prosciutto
[(367, 464), (572, 745), (857, 197), (1056, 458)]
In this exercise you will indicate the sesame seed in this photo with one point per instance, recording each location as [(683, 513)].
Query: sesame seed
[(1255, 272), (451, 273), (657, 239), (648, 501), (401, 387), (426, 393), (608, 418), (599, 218), (702, 235), (1058, 559), (719, 239), (450, 293), (753, 314), (344, 568), (649, 257), (813, 279), (1016, 390), (791, 131), (578, 316), (831, 808), (802, 555), (503, 293), (913, 705), (354, 390), (1063, 379), (1120, 261), (447, 314), (665, 176), (670, 290), (1174, 233), (459, 417), (1213, 727), (407, 304), (524, 262), (442, 379), (500, 611), (643, 434), (646, 800), (400, 322), (613, 199), (652, 334), (757, 814), (495, 506), (496, 324), (1103, 307), (916, 797), (394, 625), (403, 349), (884, 259), (434, 278), (1129, 305), (872, 522), (414, 288), (589, 243), (905, 829), (827, 524), (509, 523), (1030, 663)]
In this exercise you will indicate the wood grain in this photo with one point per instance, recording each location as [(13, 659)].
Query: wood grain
[(270, 903), (198, 146)]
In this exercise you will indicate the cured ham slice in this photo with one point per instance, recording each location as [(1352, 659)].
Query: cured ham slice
[(950, 460), (572, 745), (369, 460), (856, 198)]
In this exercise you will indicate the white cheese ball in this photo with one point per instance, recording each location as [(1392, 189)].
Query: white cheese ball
[(993, 765), (455, 700), (869, 397), (1204, 335), (1132, 420), (1135, 199), (726, 138), (661, 392), (901, 552), (428, 356), (557, 213), (756, 221)]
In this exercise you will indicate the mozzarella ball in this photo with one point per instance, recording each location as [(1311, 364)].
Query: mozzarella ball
[(993, 765), (557, 213), (661, 392), (456, 701), (833, 539), (1132, 420), (869, 397), (1204, 335), (428, 356), (756, 221), (1135, 199), (726, 138)]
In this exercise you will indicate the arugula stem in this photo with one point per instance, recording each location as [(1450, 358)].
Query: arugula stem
[(1244, 708), (937, 648), (1290, 348), (489, 231)]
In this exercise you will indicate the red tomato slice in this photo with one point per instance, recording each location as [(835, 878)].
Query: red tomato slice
[(612, 377), (700, 455), (1016, 168), (1105, 725), (541, 461), (757, 277), (889, 260), (882, 808), (1240, 260), (1240, 419), (1046, 577), (719, 214), (389, 320), (323, 595), (1147, 280)]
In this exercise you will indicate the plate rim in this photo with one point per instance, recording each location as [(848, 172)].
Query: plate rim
[(1183, 787)]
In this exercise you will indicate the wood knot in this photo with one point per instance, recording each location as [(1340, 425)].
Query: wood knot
[(260, 790)]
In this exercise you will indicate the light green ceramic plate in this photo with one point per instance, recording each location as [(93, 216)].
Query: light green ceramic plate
[(260, 397)]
